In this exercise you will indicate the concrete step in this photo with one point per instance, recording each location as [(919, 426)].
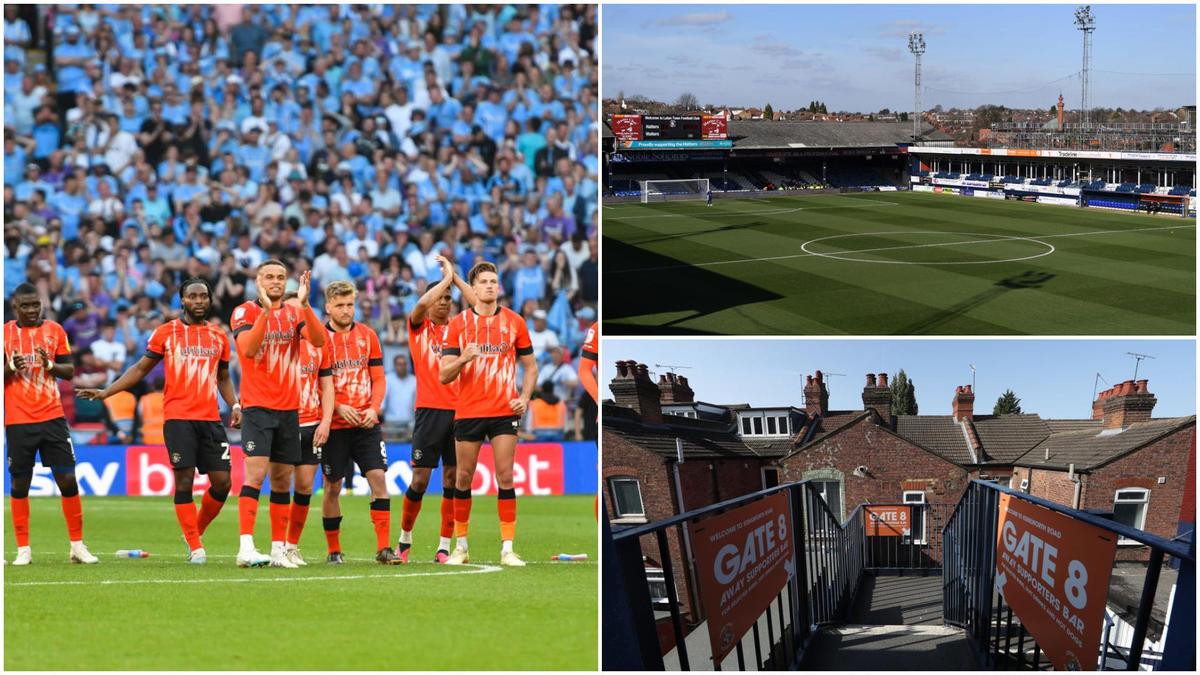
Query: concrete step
[(887, 648)]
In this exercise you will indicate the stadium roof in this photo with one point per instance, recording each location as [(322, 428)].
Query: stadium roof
[(783, 135), (772, 135)]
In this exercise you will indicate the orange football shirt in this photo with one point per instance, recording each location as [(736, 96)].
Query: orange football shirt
[(192, 354), (425, 344), (272, 379), (349, 358), (591, 344), (487, 384), (31, 395), (310, 385)]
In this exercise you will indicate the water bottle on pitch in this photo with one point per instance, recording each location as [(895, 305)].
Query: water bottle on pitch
[(133, 553), (569, 557)]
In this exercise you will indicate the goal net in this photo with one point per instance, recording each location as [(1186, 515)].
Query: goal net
[(670, 190)]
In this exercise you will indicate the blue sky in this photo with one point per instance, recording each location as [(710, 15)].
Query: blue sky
[(1052, 377), (855, 57)]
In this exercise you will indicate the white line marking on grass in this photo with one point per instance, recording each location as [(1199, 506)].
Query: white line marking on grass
[(480, 569), (811, 255), (997, 238), (765, 212)]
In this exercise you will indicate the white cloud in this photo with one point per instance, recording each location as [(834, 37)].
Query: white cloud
[(691, 19)]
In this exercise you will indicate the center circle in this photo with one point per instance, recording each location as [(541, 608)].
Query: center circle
[(972, 239)]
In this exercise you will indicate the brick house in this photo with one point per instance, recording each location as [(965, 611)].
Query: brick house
[(1122, 459)]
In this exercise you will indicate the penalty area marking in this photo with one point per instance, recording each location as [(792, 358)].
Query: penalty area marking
[(840, 255), (480, 569)]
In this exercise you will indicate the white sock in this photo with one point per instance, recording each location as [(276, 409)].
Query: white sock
[(443, 543), (22, 548), (247, 543), (462, 543), (276, 547), (77, 544), (406, 537), (506, 546), (288, 546)]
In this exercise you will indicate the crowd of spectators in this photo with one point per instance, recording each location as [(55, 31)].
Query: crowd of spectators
[(147, 144)]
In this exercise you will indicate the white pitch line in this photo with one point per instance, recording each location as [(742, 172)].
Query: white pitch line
[(890, 248), (763, 212), (481, 569)]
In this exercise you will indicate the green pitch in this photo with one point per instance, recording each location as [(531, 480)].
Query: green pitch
[(895, 263), (160, 613)]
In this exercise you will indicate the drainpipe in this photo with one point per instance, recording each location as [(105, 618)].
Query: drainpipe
[(1078, 485), (689, 562)]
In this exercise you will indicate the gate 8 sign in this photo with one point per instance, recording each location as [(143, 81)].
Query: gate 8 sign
[(1053, 571), (744, 558), (888, 521)]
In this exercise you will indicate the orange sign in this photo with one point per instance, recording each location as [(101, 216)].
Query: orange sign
[(888, 521), (744, 558), (1053, 571)]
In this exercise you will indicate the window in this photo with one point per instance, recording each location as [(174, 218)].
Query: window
[(770, 477), (771, 426), (627, 497), (1129, 508), (784, 428), (745, 426), (916, 498), (758, 428), (657, 581), (831, 492)]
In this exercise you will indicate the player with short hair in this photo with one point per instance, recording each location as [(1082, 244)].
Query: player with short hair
[(36, 351), (316, 414), (268, 335), (433, 432), (481, 351), (353, 357), (196, 354)]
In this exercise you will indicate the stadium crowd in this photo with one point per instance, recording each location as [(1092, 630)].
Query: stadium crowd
[(147, 144)]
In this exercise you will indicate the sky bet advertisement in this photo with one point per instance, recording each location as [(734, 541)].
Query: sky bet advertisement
[(144, 470)]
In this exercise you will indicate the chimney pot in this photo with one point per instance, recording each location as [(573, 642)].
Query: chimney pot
[(883, 377), (820, 377), (1142, 386), (870, 379)]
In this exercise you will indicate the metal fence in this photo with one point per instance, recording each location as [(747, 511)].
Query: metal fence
[(829, 557), (1001, 641), (918, 551)]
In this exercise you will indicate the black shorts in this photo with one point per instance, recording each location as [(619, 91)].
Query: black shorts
[(309, 454), (196, 444), (364, 446), (477, 428), (433, 438), (271, 433), (52, 439)]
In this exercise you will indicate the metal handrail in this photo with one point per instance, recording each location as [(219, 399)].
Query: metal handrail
[(1168, 546)]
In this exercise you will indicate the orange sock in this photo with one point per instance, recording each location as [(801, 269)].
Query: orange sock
[(381, 516), (333, 528), (210, 506), (447, 512), (506, 506), (462, 512), (247, 509), (410, 510), (20, 516), (185, 512), (281, 503), (73, 512), (296, 517)]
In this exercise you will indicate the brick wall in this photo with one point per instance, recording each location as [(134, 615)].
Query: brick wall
[(703, 482), (1052, 485), (1168, 458), (891, 461)]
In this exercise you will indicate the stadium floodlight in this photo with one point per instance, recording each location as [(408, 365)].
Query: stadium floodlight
[(672, 190), (1085, 22), (916, 45)]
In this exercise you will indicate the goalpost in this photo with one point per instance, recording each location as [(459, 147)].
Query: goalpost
[(669, 190)]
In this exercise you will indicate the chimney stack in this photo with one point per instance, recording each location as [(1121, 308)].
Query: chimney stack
[(816, 396), (674, 389), (1060, 111), (878, 397), (1124, 404), (632, 388), (963, 406)]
